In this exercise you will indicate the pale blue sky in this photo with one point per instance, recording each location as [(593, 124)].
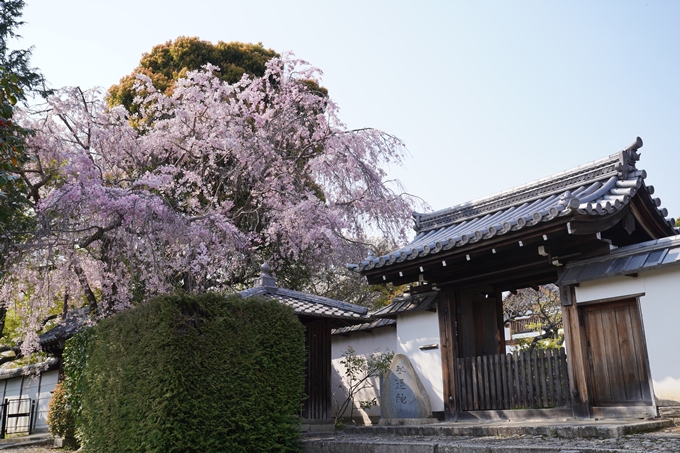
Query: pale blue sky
[(487, 95)]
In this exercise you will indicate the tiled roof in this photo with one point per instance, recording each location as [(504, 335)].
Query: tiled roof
[(50, 364), (387, 315), (304, 303), (408, 302), (625, 261), (383, 322), (599, 188), (76, 320)]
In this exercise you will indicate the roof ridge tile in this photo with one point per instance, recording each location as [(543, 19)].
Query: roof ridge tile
[(558, 183), (601, 187)]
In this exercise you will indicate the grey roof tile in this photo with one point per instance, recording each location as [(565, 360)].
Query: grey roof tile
[(672, 256), (408, 302), (383, 322), (52, 363), (304, 303), (599, 188), (76, 320), (625, 261)]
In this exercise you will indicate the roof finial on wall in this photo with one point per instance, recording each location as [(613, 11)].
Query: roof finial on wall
[(265, 279)]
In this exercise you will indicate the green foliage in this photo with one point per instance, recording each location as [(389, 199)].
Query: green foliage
[(194, 374), (17, 61), (544, 306), (386, 293), (10, 331), (17, 79), (358, 373), (60, 419), (525, 344), (337, 283), (75, 359), (170, 61), (677, 222), (340, 283), (14, 203)]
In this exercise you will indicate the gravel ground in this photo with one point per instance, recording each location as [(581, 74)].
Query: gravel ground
[(666, 440), (33, 450)]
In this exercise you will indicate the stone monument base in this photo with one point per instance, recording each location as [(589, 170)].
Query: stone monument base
[(406, 421)]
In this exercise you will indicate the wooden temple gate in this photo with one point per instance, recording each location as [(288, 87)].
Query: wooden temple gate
[(524, 237), (485, 378)]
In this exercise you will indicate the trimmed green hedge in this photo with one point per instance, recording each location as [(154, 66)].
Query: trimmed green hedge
[(74, 359), (194, 374)]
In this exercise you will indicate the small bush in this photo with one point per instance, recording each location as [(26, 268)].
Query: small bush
[(60, 419), (194, 374)]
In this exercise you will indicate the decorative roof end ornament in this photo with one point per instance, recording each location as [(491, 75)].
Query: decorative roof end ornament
[(628, 157), (416, 220), (265, 279), (637, 144)]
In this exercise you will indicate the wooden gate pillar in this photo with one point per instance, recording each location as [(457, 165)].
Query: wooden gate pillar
[(577, 358), (448, 339)]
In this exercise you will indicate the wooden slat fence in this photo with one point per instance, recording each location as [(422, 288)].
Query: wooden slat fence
[(514, 381)]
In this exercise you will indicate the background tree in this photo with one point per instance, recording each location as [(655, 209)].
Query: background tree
[(222, 177), (337, 282), (167, 63), (542, 303), (14, 203), (18, 80), (17, 62)]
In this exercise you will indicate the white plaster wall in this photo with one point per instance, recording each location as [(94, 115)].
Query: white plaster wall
[(48, 382), (38, 388), (364, 344), (416, 329), (660, 308)]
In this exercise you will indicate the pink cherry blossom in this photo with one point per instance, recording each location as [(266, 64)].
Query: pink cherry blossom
[(196, 191)]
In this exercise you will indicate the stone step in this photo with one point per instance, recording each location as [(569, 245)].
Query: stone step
[(611, 437), (570, 429)]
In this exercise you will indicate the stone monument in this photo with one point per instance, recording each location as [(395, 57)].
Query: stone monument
[(403, 398)]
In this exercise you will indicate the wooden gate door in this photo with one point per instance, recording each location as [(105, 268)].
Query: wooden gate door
[(617, 354)]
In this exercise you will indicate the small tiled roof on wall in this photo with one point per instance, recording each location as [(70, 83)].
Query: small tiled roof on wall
[(408, 302), (365, 327), (52, 363), (600, 188), (387, 315), (627, 260), (304, 304)]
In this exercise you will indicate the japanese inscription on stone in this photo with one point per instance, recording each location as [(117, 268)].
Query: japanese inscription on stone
[(403, 395)]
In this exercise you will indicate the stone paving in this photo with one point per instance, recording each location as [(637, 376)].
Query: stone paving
[(663, 441), (32, 449), (666, 440)]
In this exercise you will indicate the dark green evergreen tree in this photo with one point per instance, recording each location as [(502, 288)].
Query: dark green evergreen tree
[(16, 62), (17, 80)]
